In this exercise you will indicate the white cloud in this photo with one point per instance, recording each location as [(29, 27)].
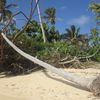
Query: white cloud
[(82, 20), (59, 19), (63, 7)]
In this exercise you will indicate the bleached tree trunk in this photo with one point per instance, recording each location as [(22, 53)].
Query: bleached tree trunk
[(40, 19), (92, 84)]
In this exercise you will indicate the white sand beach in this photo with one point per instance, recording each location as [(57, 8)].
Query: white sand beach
[(42, 85)]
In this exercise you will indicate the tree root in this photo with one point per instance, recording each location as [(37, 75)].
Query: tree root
[(70, 62)]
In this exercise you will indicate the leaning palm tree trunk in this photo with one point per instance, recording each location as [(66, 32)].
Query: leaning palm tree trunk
[(39, 13), (92, 84)]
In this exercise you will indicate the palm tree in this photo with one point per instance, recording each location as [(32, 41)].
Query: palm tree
[(95, 7), (95, 36), (72, 33), (2, 9), (50, 15), (5, 18), (5, 13), (73, 36)]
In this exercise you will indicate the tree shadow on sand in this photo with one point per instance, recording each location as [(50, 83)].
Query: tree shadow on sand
[(17, 72)]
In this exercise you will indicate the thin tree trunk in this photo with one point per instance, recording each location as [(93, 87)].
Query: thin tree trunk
[(92, 84), (39, 13)]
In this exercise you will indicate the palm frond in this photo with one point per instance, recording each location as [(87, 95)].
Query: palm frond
[(73, 29)]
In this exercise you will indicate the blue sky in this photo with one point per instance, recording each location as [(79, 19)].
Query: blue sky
[(68, 12)]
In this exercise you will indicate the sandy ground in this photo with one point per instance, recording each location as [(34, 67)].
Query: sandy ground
[(42, 85)]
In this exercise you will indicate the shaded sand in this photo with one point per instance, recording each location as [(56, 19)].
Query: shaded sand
[(42, 85)]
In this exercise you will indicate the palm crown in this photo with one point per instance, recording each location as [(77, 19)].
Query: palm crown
[(5, 13)]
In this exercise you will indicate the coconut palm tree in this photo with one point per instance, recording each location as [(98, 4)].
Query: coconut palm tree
[(5, 13), (2, 7), (74, 38), (4, 10), (94, 36), (95, 7), (50, 15), (72, 33)]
